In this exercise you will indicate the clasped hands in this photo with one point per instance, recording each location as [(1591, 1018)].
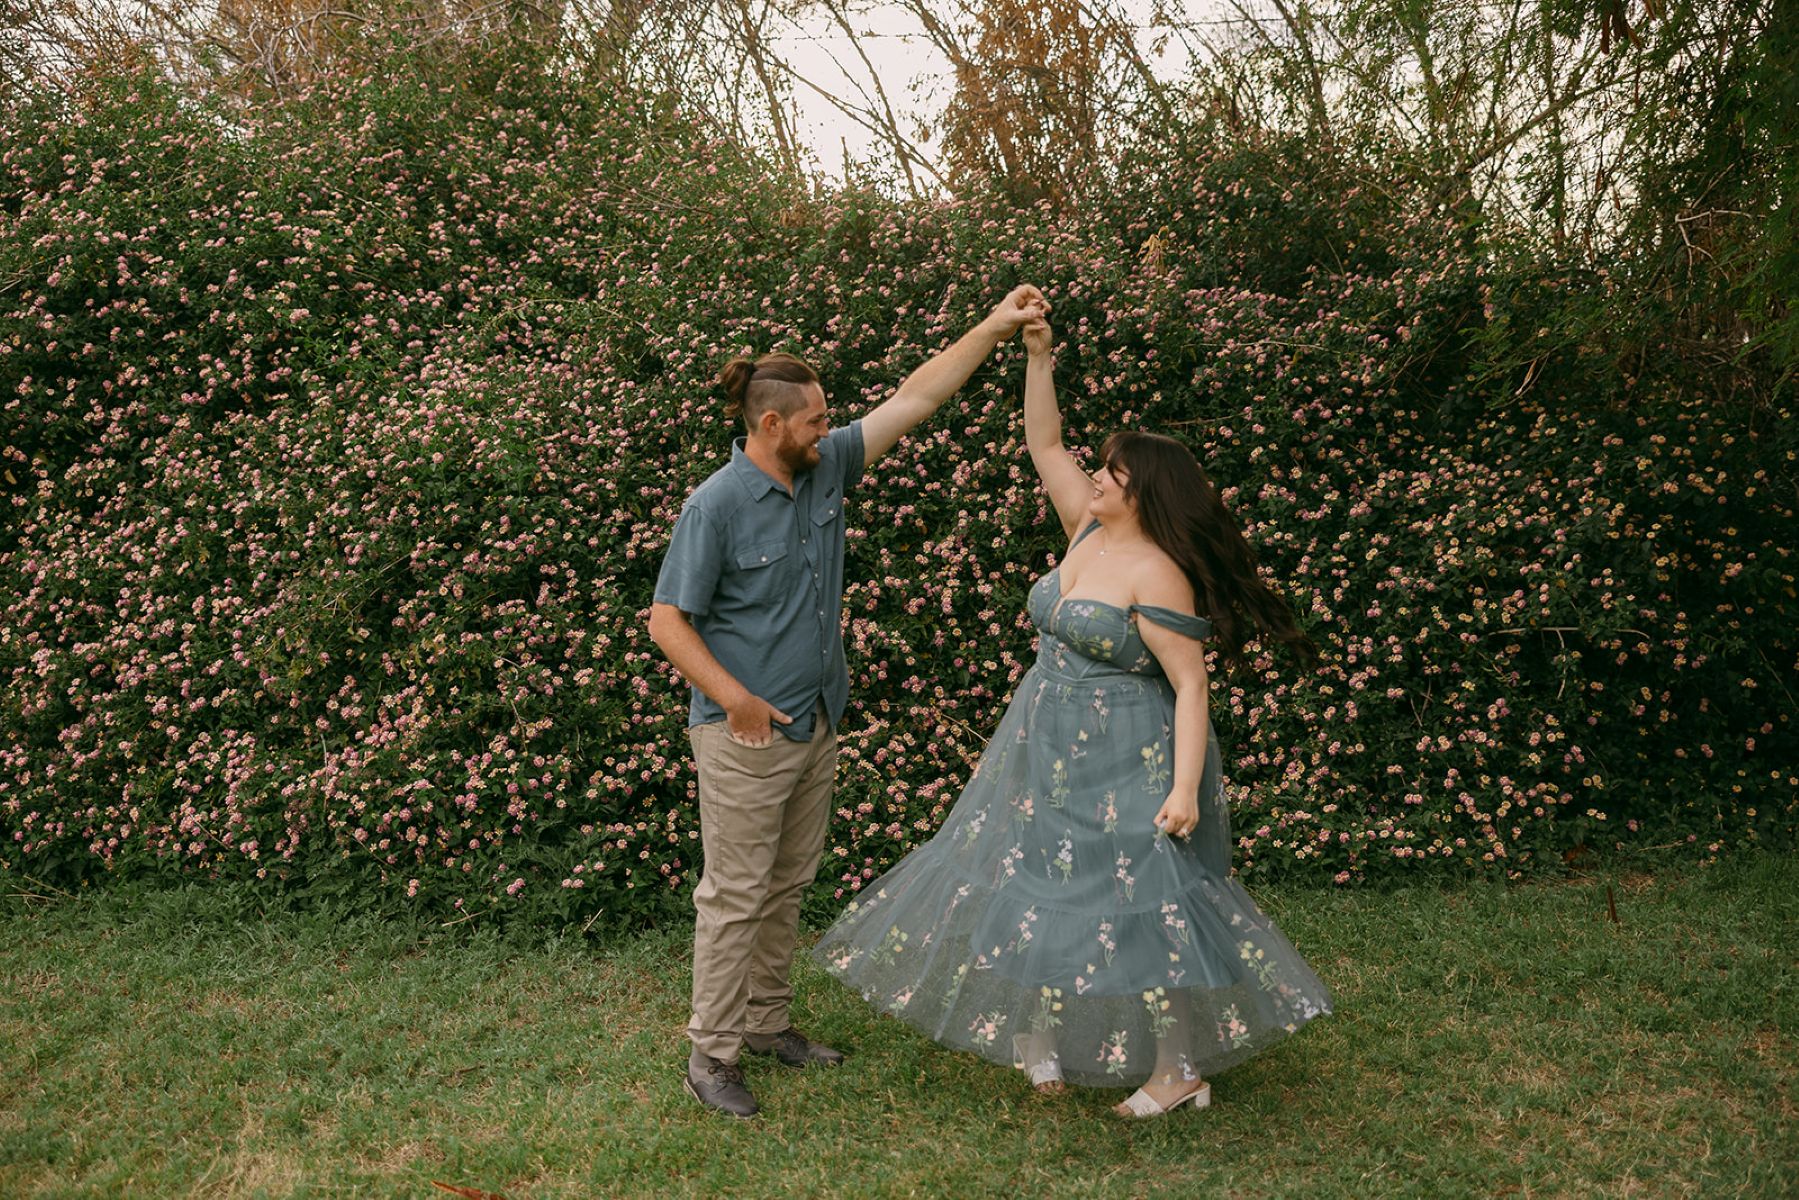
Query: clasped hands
[(1024, 309)]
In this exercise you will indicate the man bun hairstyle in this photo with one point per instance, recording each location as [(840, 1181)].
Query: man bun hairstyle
[(778, 383)]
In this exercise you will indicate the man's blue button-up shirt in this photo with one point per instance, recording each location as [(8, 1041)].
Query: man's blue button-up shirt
[(759, 572)]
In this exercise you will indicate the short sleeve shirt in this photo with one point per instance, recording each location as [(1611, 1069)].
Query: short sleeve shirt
[(759, 572)]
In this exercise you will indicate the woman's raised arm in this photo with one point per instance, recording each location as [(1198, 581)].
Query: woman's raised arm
[(1070, 489)]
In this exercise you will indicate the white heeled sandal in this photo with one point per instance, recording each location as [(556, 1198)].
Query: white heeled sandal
[(1045, 1074), (1141, 1104)]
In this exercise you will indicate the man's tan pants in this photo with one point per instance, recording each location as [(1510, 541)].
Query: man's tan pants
[(763, 816)]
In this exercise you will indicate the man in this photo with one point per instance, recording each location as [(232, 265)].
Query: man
[(748, 608)]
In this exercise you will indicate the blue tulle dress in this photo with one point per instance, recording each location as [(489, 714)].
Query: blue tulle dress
[(1049, 923)]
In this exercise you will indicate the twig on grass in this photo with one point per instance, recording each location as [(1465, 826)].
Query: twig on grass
[(467, 1193), (50, 886)]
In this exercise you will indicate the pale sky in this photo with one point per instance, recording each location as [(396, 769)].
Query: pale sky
[(916, 76)]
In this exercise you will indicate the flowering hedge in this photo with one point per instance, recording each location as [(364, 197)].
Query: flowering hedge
[(343, 438)]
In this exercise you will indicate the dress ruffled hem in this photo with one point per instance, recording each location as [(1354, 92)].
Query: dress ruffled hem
[(1209, 971)]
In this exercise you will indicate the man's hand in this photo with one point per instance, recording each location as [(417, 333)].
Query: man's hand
[(1022, 305), (751, 723), (1036, 335)]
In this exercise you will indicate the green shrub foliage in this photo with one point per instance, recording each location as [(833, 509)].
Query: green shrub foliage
[(343, 438)]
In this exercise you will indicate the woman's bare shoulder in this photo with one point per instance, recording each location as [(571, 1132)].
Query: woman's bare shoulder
[(1161, 582)]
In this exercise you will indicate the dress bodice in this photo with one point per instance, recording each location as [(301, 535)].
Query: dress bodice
[(1086, 637)]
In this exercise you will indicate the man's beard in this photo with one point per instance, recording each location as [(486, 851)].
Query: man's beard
[(795, 457)]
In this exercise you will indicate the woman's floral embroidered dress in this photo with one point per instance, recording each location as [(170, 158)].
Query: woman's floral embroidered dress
[(1049, 919)]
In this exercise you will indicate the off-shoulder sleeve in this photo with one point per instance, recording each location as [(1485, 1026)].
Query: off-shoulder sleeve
[(1182, 623)]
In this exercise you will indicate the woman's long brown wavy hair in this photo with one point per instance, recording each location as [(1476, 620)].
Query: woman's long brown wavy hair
[(1181, 511)]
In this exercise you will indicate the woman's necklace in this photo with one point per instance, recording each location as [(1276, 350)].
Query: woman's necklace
[(1105, 546)]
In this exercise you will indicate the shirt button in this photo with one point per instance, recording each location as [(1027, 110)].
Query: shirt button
[(765, 558)]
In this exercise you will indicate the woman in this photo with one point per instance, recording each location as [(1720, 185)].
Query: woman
[(1075, 915)]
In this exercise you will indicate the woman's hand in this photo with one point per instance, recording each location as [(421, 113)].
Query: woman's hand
[(1022, 305), (1179, 814), (1037, 337)]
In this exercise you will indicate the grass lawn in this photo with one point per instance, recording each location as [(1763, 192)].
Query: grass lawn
[(1487, 1041)]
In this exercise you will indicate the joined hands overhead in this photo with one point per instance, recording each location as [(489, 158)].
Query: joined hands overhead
[(1023, 305)]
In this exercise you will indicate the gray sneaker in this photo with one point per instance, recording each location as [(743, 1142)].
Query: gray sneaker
[(719, 1084)]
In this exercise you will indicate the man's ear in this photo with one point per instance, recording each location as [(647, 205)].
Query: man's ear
[(769, 423)]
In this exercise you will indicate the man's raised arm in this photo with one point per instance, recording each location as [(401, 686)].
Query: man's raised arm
[(925, 389)]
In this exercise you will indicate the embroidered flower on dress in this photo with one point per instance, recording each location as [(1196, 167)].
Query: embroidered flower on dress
[(985, 1028), (1113, 1055), (1049, 1003), (1155, 768), (1024, 928), (1124, 876), (1161, 1020)]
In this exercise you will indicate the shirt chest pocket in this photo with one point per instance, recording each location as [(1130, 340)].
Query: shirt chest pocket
[(763, 570), (827, 510)]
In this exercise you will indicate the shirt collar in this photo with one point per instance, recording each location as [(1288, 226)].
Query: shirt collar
[(755, 478)]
